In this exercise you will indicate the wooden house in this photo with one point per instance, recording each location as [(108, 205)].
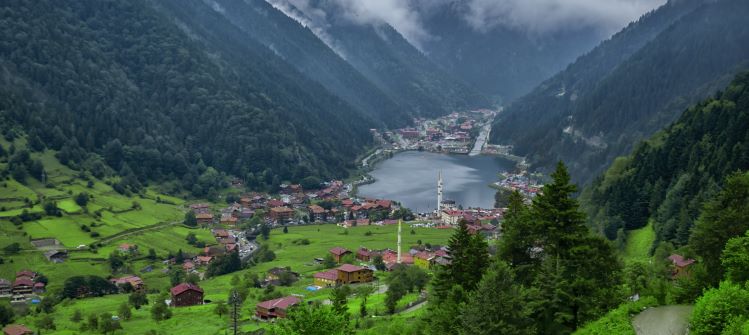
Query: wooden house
[(338, 253), (186, 294), (276, 308), (352, 274)]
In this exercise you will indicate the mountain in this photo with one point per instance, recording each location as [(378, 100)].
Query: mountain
[(162, 92), (667, 178), (301, 48), (501, 62), (629, 87), (388, 60)]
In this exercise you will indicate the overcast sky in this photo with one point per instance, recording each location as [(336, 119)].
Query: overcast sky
[(532, 16)]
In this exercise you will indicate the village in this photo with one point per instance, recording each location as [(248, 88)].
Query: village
[(454, 133)]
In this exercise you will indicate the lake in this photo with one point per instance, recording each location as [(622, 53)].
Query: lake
[(410, 177)]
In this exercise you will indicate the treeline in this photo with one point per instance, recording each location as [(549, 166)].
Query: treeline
[(669, 177), (121, 80)]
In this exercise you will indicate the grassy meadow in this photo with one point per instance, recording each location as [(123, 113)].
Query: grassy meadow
[(202, 320)]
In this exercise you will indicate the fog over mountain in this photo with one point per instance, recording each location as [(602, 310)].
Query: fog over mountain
[(501, 48), (534, 17)]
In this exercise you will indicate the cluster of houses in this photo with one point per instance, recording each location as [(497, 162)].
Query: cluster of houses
[(451, 133), (328, 204), (522, 183), (25, 287), (450, 215)]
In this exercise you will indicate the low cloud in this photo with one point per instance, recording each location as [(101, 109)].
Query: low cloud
[(536, 17), (549, 16)]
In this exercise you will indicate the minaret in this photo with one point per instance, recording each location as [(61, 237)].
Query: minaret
[(399, 242), (439, 193)]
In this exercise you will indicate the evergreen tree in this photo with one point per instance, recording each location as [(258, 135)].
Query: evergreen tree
[(519, 237), (724, 217), (735, 259), (558, 214), (468, 260), (498, 306)]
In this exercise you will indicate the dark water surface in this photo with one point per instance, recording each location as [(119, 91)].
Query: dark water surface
[(411, 178)]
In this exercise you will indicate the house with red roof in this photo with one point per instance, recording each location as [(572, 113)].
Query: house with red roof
[(364, 254), (281, 214), (186, 294), (23, 286), (134, 281), (338, 253), (352, 274), (276, 308), (316, 213), (423, 259), (326, 278), (681, 265), (17, 330), (204, 218)]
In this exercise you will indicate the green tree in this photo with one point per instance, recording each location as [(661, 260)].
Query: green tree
[(137, 299), (378, 263), (718, 307), (396, 290), (82, 199), (160, 311), (12, 249), (339, 299), (190, 219), (6, 314), (735, 259), (469, 257), (519, 238), (364, 292), (176, 276), (77, 316), (107, 324), (220, 308), (151, 254), (498, 306), (723, 217), (46, 322), (312, 320), (124, 311), (92, 322)]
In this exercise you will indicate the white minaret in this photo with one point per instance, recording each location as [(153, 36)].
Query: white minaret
[(399, 242), (439, 193)]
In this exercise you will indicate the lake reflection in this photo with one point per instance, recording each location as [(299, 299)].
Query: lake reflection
[(411, 178)]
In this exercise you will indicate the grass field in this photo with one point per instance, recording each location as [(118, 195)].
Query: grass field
[(154, 223), (201, 320), (639, 242)]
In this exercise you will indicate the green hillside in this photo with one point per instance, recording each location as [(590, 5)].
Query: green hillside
[(667, 178), (629, 87)]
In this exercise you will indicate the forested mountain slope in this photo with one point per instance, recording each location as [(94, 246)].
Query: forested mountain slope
[(299, 47), (669, 177), (630, 86), (501, 62), (158, 98)]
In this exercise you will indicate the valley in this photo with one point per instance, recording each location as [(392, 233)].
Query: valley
[(341, 167)]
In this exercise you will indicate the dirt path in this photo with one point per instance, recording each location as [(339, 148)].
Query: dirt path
[(664, 320)]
